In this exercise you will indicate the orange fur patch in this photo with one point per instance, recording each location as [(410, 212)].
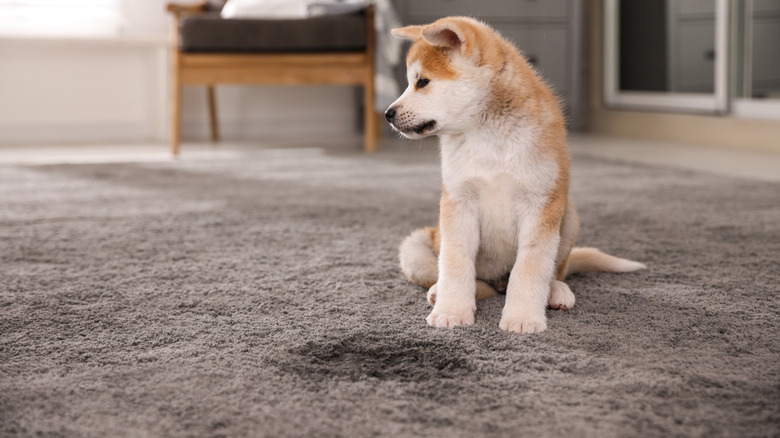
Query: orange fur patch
[(435, 238), (447, 225), (435, 61)]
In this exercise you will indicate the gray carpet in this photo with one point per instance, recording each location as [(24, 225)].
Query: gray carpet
[(261, 296)]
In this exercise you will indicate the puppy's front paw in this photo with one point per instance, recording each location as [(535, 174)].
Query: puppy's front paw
[(450, 317), (523, 324), (561, 296)]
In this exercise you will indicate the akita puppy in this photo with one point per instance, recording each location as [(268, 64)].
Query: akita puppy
[(505, 220)]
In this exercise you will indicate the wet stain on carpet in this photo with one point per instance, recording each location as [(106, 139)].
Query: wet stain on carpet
[(359, 357)]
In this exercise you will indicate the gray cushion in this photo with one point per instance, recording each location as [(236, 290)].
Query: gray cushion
[(209, 32)]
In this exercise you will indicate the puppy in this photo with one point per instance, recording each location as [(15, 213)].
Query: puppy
[(505, 220)]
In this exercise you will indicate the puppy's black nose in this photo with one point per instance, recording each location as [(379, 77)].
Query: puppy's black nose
[(390, 114)]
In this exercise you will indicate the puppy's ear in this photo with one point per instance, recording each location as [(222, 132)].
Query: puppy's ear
[(408, 32), (445, 33)]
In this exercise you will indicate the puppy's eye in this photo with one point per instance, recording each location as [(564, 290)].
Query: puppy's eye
[(421, 83)]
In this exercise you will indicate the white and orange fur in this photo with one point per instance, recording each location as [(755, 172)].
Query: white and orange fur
[(505, 207)]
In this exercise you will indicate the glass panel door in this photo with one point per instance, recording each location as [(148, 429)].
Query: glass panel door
[(668, 54)]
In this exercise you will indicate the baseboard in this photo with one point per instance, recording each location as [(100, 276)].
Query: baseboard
[(77, 133), (728, 132), (11, 134)]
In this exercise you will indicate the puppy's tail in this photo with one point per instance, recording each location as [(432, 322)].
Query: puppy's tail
[(591, 259), (418, 259)]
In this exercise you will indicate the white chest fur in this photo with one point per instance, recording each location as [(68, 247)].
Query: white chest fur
[(504, 182)]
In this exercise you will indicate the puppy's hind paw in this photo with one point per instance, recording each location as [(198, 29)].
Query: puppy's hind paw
[(561, 297), (432, 294)]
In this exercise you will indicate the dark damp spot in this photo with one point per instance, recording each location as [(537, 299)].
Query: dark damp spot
[(359, 357)]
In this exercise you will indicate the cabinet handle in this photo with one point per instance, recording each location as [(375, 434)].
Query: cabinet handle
[(709, 55), (533, 60)]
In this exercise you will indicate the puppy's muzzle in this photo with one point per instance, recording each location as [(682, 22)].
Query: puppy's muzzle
[(406, 123)]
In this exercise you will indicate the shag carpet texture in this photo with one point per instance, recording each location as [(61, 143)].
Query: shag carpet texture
[(261, 296)]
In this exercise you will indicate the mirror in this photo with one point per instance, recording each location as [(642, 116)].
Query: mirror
[(667, 46)]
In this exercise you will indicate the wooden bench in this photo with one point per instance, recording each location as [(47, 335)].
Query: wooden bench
[(263, 62)]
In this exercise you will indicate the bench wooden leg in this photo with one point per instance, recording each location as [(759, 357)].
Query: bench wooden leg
[(213, 113), (175, 104), (370, 120), (371, 127)]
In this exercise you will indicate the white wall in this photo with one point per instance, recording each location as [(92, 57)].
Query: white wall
[(115, 90), (55, 92), (255, 112)]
